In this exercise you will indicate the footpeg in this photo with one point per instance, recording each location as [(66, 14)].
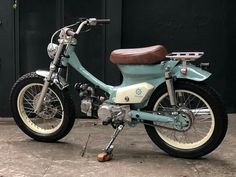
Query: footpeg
[(107, 121)]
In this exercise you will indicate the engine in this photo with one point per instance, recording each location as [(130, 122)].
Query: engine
[(92, 105), (116, 113), (89, 102), (86, 106)]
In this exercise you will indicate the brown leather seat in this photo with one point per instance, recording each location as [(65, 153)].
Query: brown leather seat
[(147, 55)]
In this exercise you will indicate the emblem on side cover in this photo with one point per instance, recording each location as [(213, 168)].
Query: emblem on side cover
[(138, 92)]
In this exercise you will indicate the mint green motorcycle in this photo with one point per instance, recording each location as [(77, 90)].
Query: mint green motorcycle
[(165, 92)]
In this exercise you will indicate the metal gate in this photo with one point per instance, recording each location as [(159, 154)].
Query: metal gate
[(7, 61), (36, 22), (188, 26), (183, 25)]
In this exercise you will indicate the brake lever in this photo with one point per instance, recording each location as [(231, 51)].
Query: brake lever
[(82, 19), (86, 30)]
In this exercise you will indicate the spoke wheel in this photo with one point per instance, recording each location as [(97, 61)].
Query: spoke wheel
[(51, 116), (202, 120), (56, 117)]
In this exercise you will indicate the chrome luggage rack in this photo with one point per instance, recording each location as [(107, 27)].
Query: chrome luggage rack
[(185, 56)]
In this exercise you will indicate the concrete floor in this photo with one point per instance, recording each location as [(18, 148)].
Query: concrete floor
[(134, 155)]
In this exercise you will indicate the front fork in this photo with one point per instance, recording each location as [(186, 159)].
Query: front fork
[(48, 79)]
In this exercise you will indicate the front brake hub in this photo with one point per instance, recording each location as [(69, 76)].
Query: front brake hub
[(48, 111)]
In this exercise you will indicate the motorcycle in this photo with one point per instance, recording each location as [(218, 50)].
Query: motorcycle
[(181, 113)]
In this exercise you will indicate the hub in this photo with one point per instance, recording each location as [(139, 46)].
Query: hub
[(48, 110), (184, 119)]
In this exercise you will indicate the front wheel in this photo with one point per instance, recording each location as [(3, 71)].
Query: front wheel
[(56, 117), (201, 108)]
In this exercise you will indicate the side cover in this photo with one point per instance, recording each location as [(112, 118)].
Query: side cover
[(136, 93)]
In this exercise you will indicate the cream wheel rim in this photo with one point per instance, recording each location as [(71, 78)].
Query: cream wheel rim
[(50, 119), (202, 126)]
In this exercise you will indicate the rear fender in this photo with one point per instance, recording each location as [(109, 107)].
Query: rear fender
[(193, 73)]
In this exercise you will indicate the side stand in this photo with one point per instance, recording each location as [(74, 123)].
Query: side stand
[(107, 154)]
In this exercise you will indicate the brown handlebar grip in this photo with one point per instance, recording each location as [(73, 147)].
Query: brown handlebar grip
[(71, 33), (103, 21)]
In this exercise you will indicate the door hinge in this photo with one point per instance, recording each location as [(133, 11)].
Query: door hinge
[(15, 4)]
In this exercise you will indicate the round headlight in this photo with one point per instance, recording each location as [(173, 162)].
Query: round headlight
[(52, 50)]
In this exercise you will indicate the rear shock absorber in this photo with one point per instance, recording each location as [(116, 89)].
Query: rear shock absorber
[(170, 87)]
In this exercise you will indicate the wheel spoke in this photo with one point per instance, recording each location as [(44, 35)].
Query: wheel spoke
[(51, 116), (29, 101), (200, 119)]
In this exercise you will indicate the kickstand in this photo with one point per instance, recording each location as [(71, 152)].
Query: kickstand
[(106, 155)]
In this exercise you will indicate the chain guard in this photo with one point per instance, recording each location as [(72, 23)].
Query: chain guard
[(169, 128)]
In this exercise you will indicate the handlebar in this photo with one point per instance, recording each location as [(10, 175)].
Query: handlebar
[(83, 22), (71, 33), (94, 21)]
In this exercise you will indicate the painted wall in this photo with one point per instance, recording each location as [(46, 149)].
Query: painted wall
[(183, 25)]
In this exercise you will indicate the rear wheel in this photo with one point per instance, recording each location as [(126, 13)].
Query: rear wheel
[(203, 112), (56, 117)]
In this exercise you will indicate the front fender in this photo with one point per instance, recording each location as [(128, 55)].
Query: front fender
[(193, 73), (59, 81), (42, 73)]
